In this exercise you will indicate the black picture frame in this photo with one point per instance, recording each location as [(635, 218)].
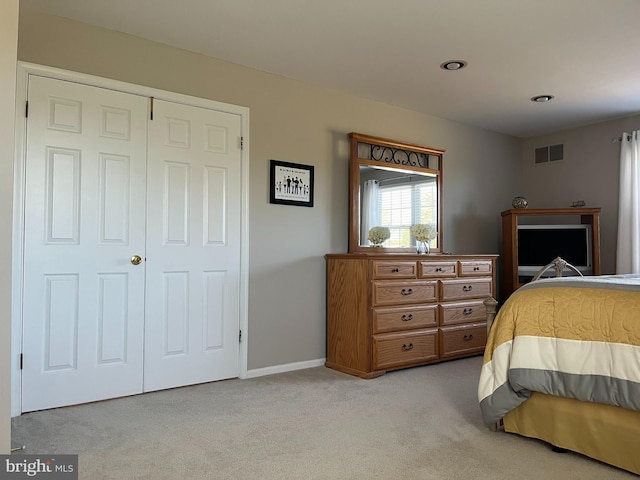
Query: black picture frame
[(291, 184)]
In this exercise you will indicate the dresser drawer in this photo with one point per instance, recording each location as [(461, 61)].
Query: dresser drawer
[(387, 269), (463, 312), (463, 340), (470, 268), (389, 319), (462, 289), (438, 269), (398, 349), (398, 292)]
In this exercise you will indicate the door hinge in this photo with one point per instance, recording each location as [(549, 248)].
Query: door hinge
[(21, 361), (150, 108), (241, 143), (240, 337), (26, 109)]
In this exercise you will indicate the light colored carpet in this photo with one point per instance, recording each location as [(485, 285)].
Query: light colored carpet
[(420, 423)]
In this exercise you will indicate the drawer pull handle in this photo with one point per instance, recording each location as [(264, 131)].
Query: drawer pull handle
[(467, 288), (407, 318), (407, 291), (406, 347), (439, 269), (466, 338), (467, 311), (475, 269), (395, 270)]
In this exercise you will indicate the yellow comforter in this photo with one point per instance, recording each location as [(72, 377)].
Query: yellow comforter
[(570, 337)]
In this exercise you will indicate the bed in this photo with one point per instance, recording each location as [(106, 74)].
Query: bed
[(562, 364)]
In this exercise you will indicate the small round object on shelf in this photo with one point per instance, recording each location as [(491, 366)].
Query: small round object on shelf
[(520, 202)]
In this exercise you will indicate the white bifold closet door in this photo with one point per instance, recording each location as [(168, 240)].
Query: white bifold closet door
[(103, 184), (193, 246)]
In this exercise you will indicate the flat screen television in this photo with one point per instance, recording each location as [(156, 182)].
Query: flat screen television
[(538, 245)]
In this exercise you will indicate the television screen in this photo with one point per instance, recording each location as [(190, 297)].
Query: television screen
[(538, 245)]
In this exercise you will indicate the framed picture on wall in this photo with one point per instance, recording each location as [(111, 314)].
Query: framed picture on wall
[(291, 184)]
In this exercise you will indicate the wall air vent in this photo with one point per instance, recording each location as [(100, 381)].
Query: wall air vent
[(552, 153)]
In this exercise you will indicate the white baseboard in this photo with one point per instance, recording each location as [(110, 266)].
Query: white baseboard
[(289, 367)]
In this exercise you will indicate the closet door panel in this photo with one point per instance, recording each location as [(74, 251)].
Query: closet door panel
[(83, 300), (193, 233)]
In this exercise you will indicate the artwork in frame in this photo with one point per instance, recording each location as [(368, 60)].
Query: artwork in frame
[(291, 183)]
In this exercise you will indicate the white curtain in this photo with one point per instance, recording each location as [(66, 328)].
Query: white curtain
[(628, 248), (370, 211)]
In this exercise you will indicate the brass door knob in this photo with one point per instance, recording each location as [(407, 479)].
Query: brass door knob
[(136, 260)]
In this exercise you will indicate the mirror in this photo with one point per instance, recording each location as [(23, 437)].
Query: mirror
[(394, 185)]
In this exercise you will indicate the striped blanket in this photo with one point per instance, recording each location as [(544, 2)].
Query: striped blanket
[(570, 337)]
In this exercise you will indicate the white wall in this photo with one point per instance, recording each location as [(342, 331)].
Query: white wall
[(8, 54), (296, 122), (589, 172)]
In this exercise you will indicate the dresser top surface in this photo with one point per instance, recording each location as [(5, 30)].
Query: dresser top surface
[(434, 257)]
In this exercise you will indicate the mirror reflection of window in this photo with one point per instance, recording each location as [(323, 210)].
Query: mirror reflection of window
[(396, 199), (405, 204)]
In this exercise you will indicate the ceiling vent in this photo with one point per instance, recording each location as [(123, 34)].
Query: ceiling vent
[(550, 154)]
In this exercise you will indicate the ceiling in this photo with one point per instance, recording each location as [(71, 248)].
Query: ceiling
[(584, 52)]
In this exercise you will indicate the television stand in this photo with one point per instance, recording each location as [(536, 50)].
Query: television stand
[(512, 275)]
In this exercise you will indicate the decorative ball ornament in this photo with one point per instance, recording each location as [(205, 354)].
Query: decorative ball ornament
[(519, 202)]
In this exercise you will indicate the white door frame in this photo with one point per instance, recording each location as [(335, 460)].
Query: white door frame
[(24, 70)]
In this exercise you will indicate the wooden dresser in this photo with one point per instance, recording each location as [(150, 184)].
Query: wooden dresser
[(391, 311)]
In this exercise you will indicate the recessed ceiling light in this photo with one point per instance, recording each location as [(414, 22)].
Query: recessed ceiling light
[(542, 98), (453, 65)]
